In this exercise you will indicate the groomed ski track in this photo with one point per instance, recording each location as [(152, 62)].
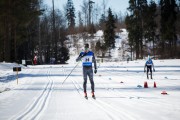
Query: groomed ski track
[(41, 95)]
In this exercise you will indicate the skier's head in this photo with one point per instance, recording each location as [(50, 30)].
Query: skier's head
[(86, 46)]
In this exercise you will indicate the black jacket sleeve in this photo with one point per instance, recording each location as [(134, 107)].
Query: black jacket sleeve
[(94, 61)]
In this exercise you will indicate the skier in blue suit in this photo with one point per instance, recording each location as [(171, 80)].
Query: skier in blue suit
[(149, 64), (88, 59)]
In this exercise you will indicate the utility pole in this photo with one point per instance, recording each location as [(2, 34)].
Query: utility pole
[(39, 37), (90, 10), (54, 34)]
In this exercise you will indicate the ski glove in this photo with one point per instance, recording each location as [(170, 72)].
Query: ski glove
[(154, 70), (95, 71), (78, 59), (144, 70)]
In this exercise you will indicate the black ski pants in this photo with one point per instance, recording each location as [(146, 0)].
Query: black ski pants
[(149, 68), (88, 71)]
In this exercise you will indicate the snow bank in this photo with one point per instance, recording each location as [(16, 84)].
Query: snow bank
[(7, 76)]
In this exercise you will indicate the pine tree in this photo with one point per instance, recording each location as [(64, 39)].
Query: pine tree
[(141, 15), (46, 34), (150, 24), (102, 22), (168, 31), (80, 22), (133, 27), (63, 55), (70, 14), (98, 47), (109, 32), (140, 23), (18, 21), (92, 29)]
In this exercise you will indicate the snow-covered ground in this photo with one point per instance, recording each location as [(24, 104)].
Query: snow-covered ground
[(41, 95)]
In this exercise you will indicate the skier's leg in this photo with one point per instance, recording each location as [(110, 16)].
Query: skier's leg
[(90, 74), (84, 85), (85, 79), (147, 73), (151, 71)]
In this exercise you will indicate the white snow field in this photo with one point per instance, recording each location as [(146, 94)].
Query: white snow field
[(41, 95)]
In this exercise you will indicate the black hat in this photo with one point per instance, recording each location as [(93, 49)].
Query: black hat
[(86, 45)]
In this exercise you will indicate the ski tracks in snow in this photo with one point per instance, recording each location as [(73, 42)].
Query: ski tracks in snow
[(37, 107), (96, 102), (113, 112), (132, 96), (146, 99)]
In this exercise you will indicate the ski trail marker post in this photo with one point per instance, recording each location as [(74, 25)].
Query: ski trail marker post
[(17, 69)]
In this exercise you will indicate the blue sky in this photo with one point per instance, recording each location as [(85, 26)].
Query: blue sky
[(115, 5)]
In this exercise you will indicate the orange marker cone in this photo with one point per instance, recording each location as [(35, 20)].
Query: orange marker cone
[(155, 85), (145, 85), (164, 92)]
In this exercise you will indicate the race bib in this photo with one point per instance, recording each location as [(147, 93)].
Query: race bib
[(87, 59)]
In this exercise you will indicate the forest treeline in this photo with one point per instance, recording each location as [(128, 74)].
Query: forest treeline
[(154, 29), (28, 29)]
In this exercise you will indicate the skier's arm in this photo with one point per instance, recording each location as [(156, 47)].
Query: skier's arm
[(153, 66), (79, 57), (94, 60), (145, 67), (95, 67)]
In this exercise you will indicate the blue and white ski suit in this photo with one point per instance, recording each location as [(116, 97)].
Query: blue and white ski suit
[(88, 59), (149, 64)]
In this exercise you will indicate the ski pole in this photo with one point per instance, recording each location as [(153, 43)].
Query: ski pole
[(153, 75), (70, 73), (142, 75)]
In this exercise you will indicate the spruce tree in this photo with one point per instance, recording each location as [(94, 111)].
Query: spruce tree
[(109, 32)]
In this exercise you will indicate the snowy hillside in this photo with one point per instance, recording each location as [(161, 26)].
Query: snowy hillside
[(119, 90), (118, 53)]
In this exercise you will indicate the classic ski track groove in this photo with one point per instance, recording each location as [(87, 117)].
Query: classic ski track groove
[(108, 112), (108, 109), (125, 113), (142, 100), (114, 108), (34, 110), (131, 96), (38, 105)]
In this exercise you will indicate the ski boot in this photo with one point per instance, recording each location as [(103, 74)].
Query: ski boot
[(93, 96), (85, 95)]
